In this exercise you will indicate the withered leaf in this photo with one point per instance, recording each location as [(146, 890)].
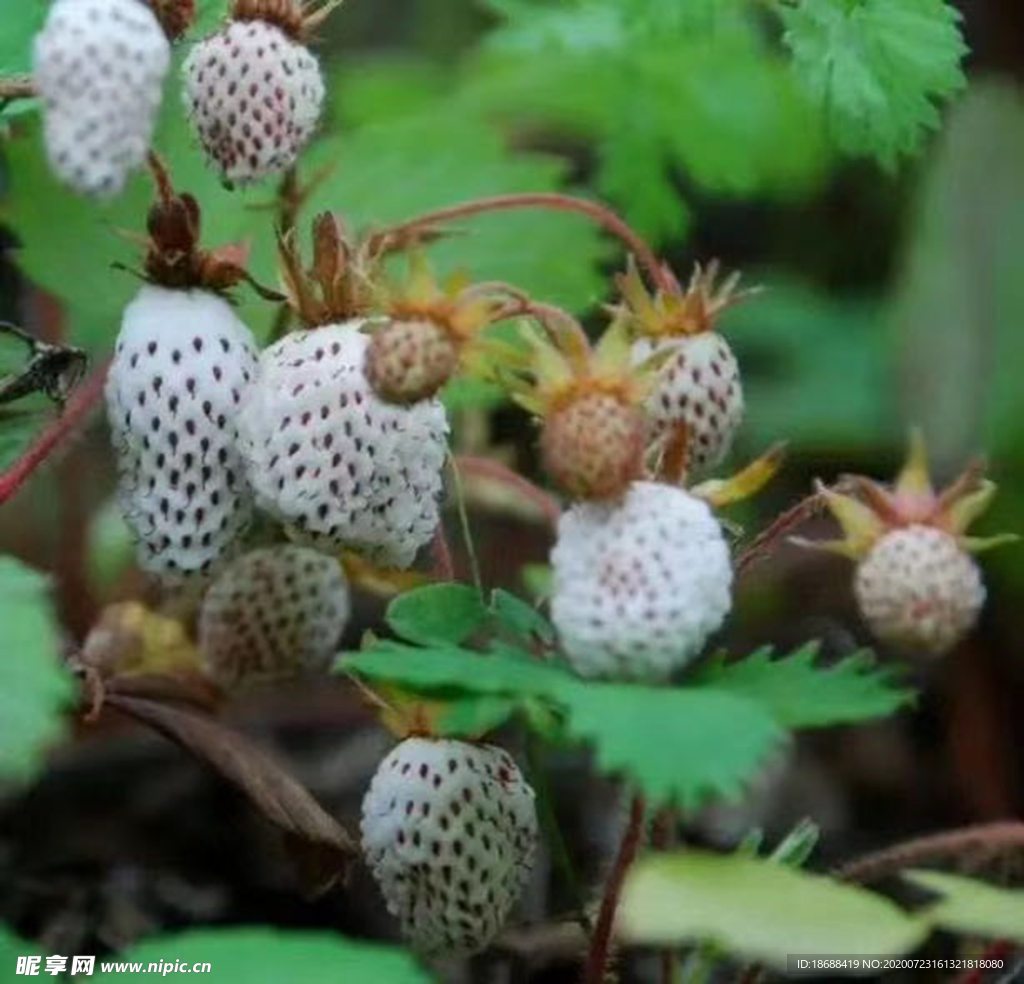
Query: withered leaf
[(321, 847)]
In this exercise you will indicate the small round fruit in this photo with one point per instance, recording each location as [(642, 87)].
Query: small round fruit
[(593, 446), (275, 612), (639, 585), (409, 361), (919, 590)]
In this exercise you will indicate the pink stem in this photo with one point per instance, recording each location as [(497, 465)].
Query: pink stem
[(444, 567)]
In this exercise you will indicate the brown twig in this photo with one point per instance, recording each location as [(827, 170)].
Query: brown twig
[(601, 214), (16, 87), (985, 841), (488, 468), (762, 546), (600, 944), (83, 401)]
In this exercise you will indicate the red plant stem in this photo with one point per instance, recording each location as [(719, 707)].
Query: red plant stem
[(487, 468), (986, 841), (996, 950), (83, 401), (601, 214), (767, 540), (444, 568), (600, 944)]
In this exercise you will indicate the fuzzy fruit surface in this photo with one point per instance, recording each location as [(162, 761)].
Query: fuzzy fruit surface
[(182, 365), (331, 460), (99, 66), (408, 361), (274, 612), (699, 387), (639, 585), (593, 446), (253, 96), (919, 590), (449, 830)]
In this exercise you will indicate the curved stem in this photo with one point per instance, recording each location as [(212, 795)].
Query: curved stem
[(441, 552), (83, 401), (601, 214), (987, 841), (495, 471), (766, 541), (600, 945)]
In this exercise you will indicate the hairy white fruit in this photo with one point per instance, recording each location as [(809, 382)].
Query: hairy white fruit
[(449, 831), (330, 459), (183, 362), (253, 96), (99, 66), (274, 612), (918, 589), (698, 387), (639, 585)]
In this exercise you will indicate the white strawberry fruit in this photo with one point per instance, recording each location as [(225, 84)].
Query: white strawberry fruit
[(449, 830), (99, 66), (918, 589), (331, 460), (253, 91), (697, 402), (639, 584), (698, 389), (183, 362), (274, 612)]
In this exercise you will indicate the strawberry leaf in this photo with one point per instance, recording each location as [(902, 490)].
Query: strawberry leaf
[(758, 910), (799, 693), (34, 685), (437, 613), (520, 618), (971, 907), (267, 956), (678, 745), (448, 669), (877, 68)]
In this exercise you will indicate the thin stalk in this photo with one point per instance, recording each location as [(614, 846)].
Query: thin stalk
[(541, 782), (663, 837), (601, 214), (762, 546), (444, 568), (16, 87), (601, 942), (467, 533), (83, 401)]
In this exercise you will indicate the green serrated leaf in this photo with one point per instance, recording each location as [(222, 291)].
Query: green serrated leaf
[(801, 694), (21, 20), (34, 685), (971, 907), (877, 68), (520, 618), (683, 745), (758, 910), (441, 613), (268, 956), (451, 670), (470, 717)]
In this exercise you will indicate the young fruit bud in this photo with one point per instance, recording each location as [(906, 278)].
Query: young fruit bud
[(408, 361), (590, 400), (594, 446), (915, 583)]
